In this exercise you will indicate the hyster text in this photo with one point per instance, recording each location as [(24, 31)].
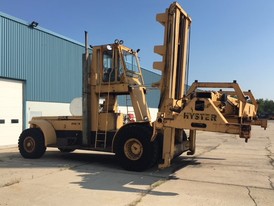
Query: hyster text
[(200, 116)]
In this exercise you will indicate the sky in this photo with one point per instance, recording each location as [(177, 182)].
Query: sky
[(230, 39)]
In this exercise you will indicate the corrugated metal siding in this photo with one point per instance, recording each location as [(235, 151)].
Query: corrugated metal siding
[(50, 65), (153, 94)]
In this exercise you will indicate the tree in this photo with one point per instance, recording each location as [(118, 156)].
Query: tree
[(266, 108)]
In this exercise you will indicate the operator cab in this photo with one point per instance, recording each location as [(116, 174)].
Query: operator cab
[(120, 65), (116, 77)]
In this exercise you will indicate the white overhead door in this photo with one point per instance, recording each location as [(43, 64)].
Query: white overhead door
[(11, 111)]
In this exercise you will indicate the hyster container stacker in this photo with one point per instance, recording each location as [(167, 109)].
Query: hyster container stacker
[(112, 70)]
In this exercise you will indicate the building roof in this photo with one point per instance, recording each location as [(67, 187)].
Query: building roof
[(17, 20)]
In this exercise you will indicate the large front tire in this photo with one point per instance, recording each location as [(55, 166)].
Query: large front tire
[(31, 143), (135, 151)]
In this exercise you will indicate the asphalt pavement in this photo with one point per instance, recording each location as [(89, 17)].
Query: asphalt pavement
[(224, 171)]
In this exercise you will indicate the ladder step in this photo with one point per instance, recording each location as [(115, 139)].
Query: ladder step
[(100, 140)]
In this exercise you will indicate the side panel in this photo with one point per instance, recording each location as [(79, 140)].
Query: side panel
[(38, 109), (47, 129)]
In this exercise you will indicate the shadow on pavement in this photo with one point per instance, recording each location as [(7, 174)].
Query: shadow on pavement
[(98, 171)]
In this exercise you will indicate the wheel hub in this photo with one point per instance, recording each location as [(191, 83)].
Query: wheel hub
[(133, 149), (29, 144)]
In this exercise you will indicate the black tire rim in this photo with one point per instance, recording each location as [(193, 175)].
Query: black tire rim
[(29, 144)]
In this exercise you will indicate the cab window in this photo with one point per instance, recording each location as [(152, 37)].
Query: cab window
[(131, 62), (108, 69)]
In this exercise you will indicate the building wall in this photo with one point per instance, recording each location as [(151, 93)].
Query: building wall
[(46, 62)]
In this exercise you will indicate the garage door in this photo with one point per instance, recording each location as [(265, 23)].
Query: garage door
[(11, 111)]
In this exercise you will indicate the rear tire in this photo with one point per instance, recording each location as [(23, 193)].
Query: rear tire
[(31, 143), (134, 150)]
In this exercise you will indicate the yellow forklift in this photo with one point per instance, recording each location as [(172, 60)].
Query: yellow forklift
[(113, 70)]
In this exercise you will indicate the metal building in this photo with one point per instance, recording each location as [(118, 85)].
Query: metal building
[(40, 74)]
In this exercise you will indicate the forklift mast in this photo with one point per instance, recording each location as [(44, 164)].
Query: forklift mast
[(175, 54), (174, 68)]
